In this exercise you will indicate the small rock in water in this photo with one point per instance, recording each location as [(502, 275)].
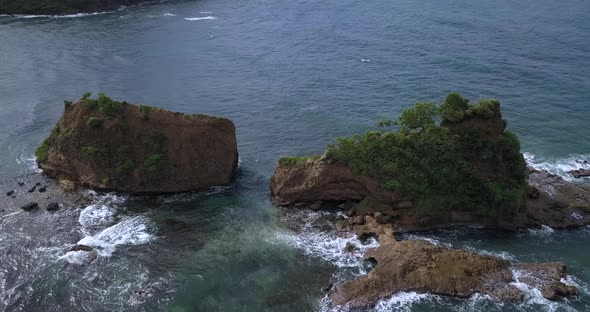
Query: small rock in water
[(340, 217), (32, 189), (316, 206), (38, 183), (580, 173), (81, 247), (9, 192), (30, 206), (350, 247), (42, 189), (52, 207), (21, 183)]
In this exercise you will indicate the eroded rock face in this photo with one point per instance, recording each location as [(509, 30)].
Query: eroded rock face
[(423, 267), (138, 152), (550, 200), (322, 180)]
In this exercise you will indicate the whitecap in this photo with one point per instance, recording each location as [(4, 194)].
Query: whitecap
[(498, 254), (533, 296), (205, 12), (28, 16), (330, 247), (561, 166), (96, 215), (543, 231), (430, 240), (75, 257), (132, 231), (200, 18), (402, 301)]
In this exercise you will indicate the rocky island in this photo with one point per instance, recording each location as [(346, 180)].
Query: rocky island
[(60, 7), (453, 164), (108, 145)]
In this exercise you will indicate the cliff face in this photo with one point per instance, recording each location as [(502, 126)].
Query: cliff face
[(56, 7), (465, 171), (139, 149)]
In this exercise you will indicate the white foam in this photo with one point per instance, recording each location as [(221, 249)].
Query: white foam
[(534, 297), (430, 240), (330, 248), (200, 18), (561, 166), (498, 254), (132, 231), (75, 257), (402, 301), (205, 12), (543, 231), (96, 215), (169, 14)]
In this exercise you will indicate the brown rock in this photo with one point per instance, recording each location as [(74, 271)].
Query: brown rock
[(358, 220), (167, 152), (321, 180), (350, 247), (423, 267)]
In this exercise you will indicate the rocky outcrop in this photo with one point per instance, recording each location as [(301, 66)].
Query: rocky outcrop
[(322, 180), (551, 201), (580, 173), (423, 267), (56, 7), (139, 149)]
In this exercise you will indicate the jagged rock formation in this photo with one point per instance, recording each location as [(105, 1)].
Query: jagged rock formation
[(423, 267), (107, 145)]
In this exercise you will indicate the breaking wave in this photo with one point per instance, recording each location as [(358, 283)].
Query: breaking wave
[(200, 18), (561, 166)]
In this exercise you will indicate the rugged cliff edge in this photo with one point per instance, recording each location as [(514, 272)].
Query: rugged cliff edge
[(108, 145), (58, 7), (423, 267), (468, 170)]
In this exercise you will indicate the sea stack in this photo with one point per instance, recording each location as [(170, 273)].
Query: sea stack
[(108, 145)]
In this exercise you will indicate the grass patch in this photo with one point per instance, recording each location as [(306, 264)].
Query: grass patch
[(93, 122), (95, 152), (125, 167), (151, 164), (289, 161), (42, 151), (145, 111)]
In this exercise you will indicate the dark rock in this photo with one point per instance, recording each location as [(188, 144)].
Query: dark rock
[(30, 206), (81, 247), (327, 288), (358, 220), (580, 173), (52, 207), (316, 206), (350, 247), (9, 192), (21, 183), (42, 189), (383, 218), (32, 189), (38, 183), (340, 217), (533, 192)]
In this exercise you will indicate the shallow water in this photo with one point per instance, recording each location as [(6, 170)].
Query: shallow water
[(292, 76)]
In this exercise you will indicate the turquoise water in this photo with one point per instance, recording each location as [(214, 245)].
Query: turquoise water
[(293, 76)]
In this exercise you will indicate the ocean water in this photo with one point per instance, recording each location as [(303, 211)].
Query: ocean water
[(293, 76)]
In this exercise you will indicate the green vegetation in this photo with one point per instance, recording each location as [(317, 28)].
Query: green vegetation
[(105, 104), (145, 111), (42, 150), (125, 167), (291, 161), (124, 149), (67, 104), (93, 122), (93, 151), (443, 170), (150, 166)]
